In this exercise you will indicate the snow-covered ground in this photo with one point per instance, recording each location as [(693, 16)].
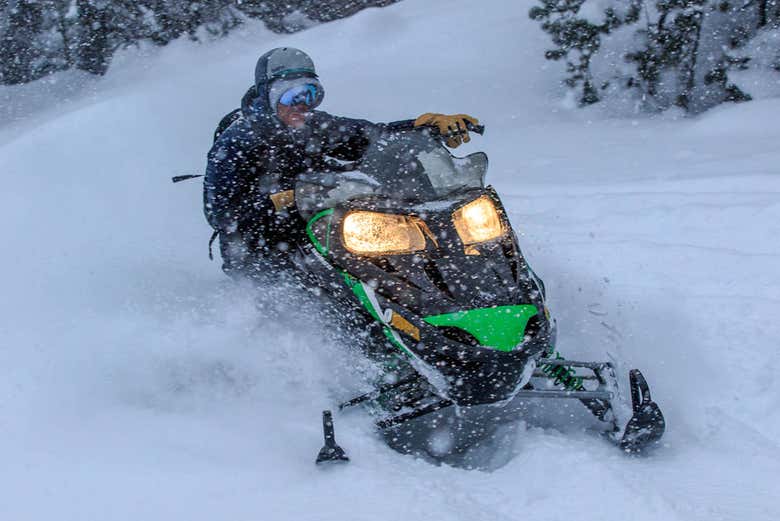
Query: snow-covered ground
[(136, 382)]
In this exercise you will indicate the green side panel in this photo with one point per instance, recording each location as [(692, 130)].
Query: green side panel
[(357, 288), (501, 327), (389, 335), (360, 293), (324, 250)]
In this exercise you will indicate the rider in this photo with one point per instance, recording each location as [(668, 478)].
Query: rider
[(276, 136)]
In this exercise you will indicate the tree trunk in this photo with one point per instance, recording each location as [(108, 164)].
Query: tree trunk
[(762, 17), (94, 50), (62, 28), (684, 99), (19, 46)]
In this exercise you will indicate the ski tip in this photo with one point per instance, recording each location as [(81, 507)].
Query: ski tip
[(333, 454), (647, 424)]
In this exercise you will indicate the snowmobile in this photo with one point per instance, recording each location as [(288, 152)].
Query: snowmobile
[(414, 241)]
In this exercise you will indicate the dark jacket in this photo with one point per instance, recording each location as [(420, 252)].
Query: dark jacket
[(258, 155)]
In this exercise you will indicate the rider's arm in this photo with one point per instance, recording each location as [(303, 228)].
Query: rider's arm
[(348, 138)]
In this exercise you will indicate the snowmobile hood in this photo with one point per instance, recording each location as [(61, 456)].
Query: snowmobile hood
[(463, 288)]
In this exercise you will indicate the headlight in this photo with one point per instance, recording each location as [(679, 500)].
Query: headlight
[(369, 233), (478, 221)]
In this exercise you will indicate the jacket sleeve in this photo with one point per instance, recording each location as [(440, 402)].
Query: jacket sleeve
[(347, 138), (225, 183)]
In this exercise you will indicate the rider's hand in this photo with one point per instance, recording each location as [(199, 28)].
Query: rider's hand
[(453, 127)]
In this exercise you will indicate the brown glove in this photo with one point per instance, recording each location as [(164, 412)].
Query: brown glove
[(452, 126)]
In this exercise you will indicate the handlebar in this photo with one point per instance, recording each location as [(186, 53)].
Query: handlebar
[(470, 127), (479, 129)]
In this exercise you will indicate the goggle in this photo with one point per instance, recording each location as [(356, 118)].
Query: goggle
[(307, 94)]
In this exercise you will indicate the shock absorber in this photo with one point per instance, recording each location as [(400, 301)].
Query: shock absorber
[(563, 375), (566, 376)]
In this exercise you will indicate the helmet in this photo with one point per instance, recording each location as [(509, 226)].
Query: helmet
[(283, 63), (291, 66)]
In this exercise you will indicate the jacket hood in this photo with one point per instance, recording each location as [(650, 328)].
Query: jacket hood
[(256, 108), (253, 104)]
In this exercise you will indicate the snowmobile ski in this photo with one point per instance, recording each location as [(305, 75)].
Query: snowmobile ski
[(643, 430), (330, 452), (647, 424)]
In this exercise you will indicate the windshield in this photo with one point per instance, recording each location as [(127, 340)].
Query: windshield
[(407, 166)]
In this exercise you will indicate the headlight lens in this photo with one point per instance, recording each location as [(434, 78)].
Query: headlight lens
[(478, 221), (368, 233)]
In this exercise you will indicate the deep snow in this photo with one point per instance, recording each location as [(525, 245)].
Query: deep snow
[(138, 383)]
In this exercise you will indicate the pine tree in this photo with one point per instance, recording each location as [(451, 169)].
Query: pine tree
[(689, 49), (577, 38), (677, 42), (175, 18), (64, 25), (668, 52), (768, 12), (38, 37), (54, 40), (24, 21), (94, 48)]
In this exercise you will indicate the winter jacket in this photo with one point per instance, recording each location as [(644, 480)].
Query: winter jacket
[(258, 155)]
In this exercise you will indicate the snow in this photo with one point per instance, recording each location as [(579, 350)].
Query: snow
[(139, 383)]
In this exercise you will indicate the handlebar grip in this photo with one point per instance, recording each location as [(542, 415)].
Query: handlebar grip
[(479, 129), (470, 127)]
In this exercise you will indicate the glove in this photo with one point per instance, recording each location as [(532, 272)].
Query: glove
[(453, 127)]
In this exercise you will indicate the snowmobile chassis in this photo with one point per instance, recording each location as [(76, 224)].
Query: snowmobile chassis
[(460, 309), (553, 378)]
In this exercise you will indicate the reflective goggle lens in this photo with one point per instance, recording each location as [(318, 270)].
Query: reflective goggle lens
[(301, 95)]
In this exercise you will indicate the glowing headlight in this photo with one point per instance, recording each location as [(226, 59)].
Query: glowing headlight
[(478, 221), (369, 233)]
